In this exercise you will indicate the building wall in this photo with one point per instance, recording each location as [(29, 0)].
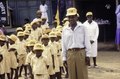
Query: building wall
[(27, 9)]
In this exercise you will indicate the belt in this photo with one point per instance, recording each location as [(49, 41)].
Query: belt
[(75, 49)]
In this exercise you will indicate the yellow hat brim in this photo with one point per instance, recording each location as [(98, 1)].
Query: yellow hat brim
[(71, 14)]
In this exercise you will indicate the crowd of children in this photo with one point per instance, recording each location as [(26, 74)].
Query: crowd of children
[(36, 48)]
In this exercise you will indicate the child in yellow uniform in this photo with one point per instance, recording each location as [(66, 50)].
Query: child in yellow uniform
[(2, 73), (55, 49), (6, 55), (39, 63), (13, 55), (2, 61), (39, 28), (19, 29), (28, 28), (30, 45), (48, 53), (58, 40), (35, 33), (21, 50)]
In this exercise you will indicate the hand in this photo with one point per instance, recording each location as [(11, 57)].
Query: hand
[(87, 61), (65, 63), (91, 41)]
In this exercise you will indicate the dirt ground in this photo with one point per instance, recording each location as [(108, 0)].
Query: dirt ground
[(108, 66), (108, 62)]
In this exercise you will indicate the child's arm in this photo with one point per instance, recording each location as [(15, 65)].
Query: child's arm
[(1, 57), (53, 61)]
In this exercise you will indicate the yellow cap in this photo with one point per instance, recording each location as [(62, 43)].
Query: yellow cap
[(34, 22), (20, 34), (44, 18), (48, 30), (53, 30), (13, 37), (26, 32), (31, 43), (38, 11), (71, 11), (65, 19), (52, 34), (58, 33), (44, 36), (89, 14), (19, 29), (2, 37), (38, 46), (59, 27), (39, 20), (28, 27)]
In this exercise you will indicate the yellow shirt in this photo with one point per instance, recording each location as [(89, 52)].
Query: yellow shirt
[(39, 65), (48, 53), (35, 34), (29, 57), (55, 50), (13, 58), (6, 58), (2, 63), (21, 47)]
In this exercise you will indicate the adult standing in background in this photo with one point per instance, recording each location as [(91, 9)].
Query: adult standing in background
[(93, 32), (117, 40), (38, 15), (74, 42), (44, 8)]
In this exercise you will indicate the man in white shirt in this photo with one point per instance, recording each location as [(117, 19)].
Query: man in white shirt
[(74, 42), (93, 32)]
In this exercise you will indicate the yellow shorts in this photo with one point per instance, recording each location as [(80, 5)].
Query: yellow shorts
[(13, 60), (22, 59)]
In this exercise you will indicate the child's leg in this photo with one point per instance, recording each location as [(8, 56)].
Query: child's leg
[(2, 76), (94, 61), (62, 70), (58, 75), (12, 72), (8, 75), (16, 74), (25, 68), (20, 70), (66, 76)]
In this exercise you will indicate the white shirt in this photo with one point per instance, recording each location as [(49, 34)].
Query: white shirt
[(93, 30), (75, 39)]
